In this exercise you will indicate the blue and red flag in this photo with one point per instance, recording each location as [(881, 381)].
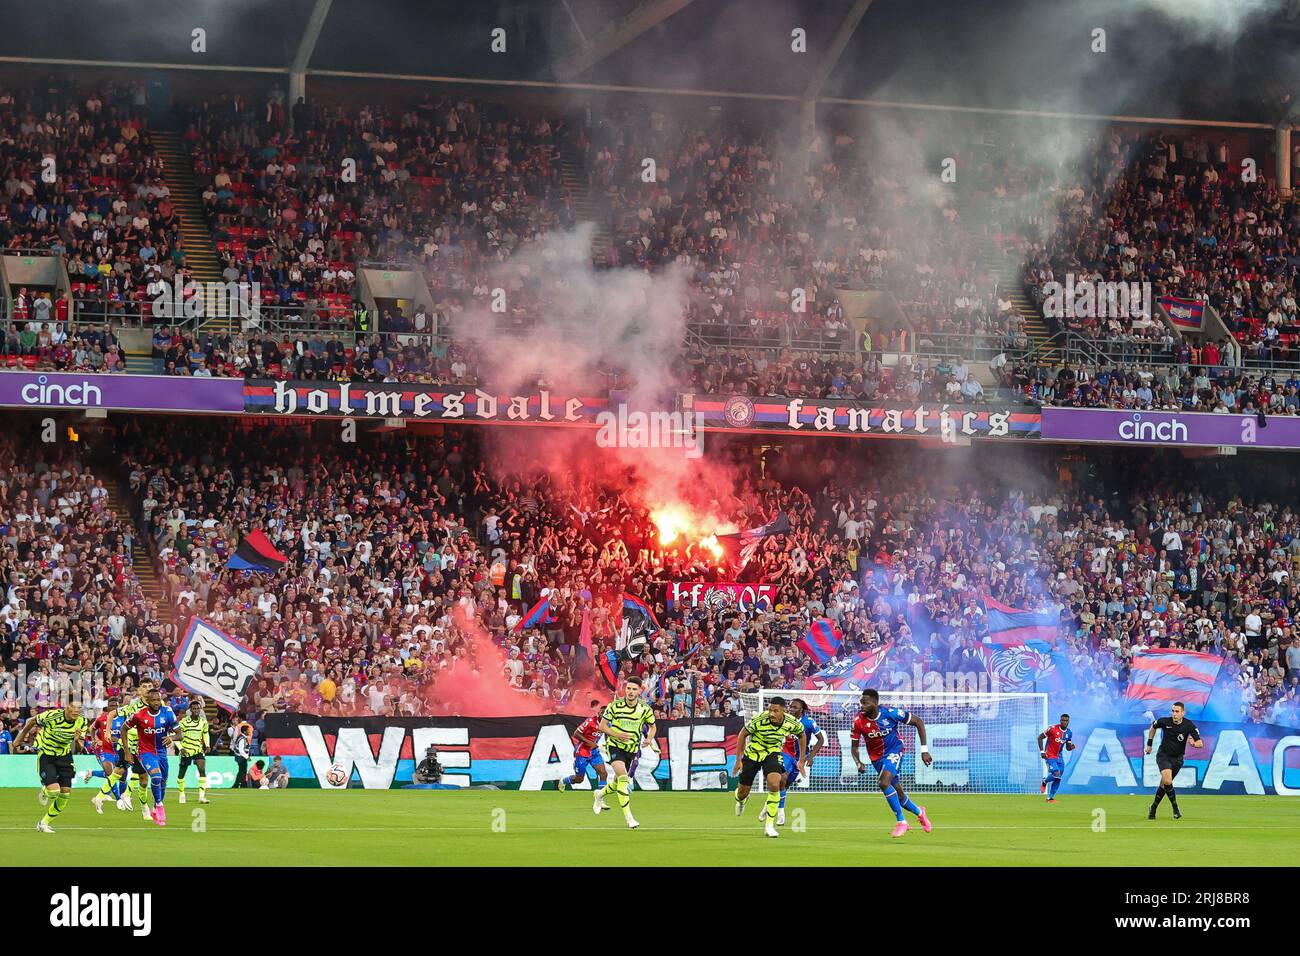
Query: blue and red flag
[(1163, 675), (852, 673), (822, 642), (676, 668), (539, 613), (256, 553), (1184, 313), (1011, 625), (608, 664)]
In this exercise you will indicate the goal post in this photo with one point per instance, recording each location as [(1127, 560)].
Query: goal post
[(980, 742)]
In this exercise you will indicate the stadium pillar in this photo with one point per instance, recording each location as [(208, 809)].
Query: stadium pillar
[(1284, 160), (297, 85)]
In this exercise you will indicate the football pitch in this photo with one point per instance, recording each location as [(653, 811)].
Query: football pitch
[(548, 828)]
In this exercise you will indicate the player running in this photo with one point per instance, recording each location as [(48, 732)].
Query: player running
[(194, 746), (1175, 731), (878, 726), (105, 751), (1056, 737), (623, 721), (758, 746), (586, 753), (816, 740), (59, 731), (154, 725), (129, 753)]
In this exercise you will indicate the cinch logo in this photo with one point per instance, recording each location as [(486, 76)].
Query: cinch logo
[(1139, 430), (45, 392), (76, 909)]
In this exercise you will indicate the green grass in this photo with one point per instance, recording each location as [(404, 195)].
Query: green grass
[(424, 828)]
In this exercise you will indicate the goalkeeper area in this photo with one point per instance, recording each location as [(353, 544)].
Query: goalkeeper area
[(980, 742), (250, 828)]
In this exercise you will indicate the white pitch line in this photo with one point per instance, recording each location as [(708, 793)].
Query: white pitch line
[(548, 829)]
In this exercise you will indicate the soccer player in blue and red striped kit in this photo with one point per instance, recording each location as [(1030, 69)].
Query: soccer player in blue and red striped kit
[(878, 726), (586, 753), (153, 724), (1058, 736)]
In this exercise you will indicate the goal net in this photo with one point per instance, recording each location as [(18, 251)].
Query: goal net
[(981, 743)]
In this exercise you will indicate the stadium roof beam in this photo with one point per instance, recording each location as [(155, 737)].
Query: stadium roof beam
[(617, 35), (838, 45), (306, 46), (640, 90)]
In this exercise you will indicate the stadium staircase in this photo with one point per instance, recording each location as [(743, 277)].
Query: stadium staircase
[(200, 250), (119, 500), (1007, 273), (577, 185), (119, 496), (139, 363)]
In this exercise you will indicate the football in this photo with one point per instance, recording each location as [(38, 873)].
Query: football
[(336, 776)]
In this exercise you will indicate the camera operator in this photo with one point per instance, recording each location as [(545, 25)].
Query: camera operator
[(429, 770)]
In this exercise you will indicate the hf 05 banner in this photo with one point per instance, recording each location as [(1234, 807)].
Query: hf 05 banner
[(509, 752), (1237, 758), (721, 596)]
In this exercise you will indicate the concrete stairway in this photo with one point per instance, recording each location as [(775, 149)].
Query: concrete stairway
[(588, 210), (200, 250)]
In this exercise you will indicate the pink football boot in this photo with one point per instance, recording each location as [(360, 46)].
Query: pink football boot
[(926, 825), (900, 828)]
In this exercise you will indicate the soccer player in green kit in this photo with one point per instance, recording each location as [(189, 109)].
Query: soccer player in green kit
[(58, 732), (758, 746), (194, 746), (623, 721)]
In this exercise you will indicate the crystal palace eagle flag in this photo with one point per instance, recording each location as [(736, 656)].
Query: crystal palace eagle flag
[(256, 553), (852, 673), (1010, 625)]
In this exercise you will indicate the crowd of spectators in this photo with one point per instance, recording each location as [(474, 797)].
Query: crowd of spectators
[(60, 346), (409, 557), (83, 180), (74, 615), (757, 213)]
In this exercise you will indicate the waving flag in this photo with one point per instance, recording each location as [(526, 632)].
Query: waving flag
[(256, 553), (638, 620), (540, 613), (213, 664), (852, 673), (741, 545), (1026, 667), (822, 642), (674, 669), (1184, 313), (1010, 625), (1164, 675), (608, 664)]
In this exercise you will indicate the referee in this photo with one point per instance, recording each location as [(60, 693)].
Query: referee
[(58, 734), (758, 746), (1175, 730)]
